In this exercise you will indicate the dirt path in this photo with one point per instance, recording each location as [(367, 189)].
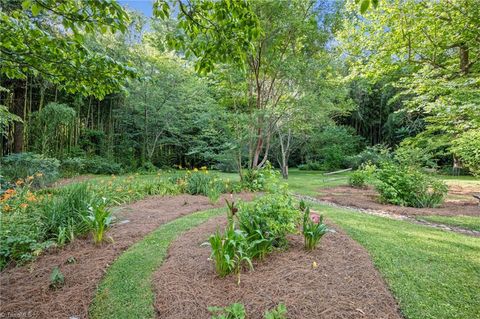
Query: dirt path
[(345, 284), (392, 215), (25, 290)]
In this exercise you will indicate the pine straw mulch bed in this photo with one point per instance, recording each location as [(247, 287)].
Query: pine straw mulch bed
[(369, 199), (345, 283), (25, 293)]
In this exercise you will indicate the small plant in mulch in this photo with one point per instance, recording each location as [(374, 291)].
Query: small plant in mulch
[(313, 227), (57, 280), (237, 311)]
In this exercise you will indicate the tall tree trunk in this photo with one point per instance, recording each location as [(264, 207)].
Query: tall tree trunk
[(19, 110)]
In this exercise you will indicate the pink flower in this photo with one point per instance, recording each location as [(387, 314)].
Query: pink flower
[(315, 218)]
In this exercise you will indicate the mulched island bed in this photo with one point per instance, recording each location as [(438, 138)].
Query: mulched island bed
[(344, 284), (369, 199), (25, 290)]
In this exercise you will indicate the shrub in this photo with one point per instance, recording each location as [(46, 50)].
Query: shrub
[(313, 228), (358, 179), (467, 148), (72, 166), (270, 217), (26, 165), (408, 186), (414, 156), (100, 165), (263, 179)]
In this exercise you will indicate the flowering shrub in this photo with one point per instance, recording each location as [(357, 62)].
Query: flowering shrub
[(264, 179)]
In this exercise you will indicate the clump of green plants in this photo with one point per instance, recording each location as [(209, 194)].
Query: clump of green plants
[(57, 280), (408, 186), (270, 217), (21, 166), (279, 312), (313, 227), (98, 222), (358, 179), (230, 250), (263, 179), (237, 311), (233, 311)]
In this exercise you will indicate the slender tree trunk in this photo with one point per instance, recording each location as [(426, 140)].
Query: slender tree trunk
[(19, 110)]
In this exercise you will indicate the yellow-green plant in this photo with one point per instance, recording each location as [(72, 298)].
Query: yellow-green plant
[(99, 220)]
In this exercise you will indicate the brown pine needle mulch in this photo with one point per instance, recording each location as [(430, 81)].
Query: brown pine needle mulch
[(344, 283), (25, 293)]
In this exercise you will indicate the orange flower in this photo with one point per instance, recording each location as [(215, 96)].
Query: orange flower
[(29, 178), (10, 191), (23, 205), (31, 198), (19, 182)]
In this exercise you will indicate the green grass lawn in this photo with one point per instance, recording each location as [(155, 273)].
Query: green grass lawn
[(432, 273), (309, 182), (126, 290), (468, 222)]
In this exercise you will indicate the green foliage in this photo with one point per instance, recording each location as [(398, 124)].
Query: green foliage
[(57, 280), (32, 222), (467, 148), (407, 186), (212, 31), (6, 118), (331, 148), (358, 179), (237, 311), (94, 165), (279, 312), (313, 228), (372, 154), (414, 156), (268, 220), (32, 46), (263, 179), (230, 251), (52, 128), (98, 221), (24, 165), (233, 311)]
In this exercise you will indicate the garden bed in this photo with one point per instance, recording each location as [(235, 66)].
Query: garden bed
[(344, 284), (369, 199), (25, 290)]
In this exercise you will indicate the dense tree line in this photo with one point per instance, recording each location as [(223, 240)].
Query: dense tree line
[(237, 84)]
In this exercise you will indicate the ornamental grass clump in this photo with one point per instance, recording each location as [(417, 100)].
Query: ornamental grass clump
[(313, 227)]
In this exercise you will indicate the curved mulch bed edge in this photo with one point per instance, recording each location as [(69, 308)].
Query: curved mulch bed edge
[(344, 285), (368, 199), (25, 290)]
